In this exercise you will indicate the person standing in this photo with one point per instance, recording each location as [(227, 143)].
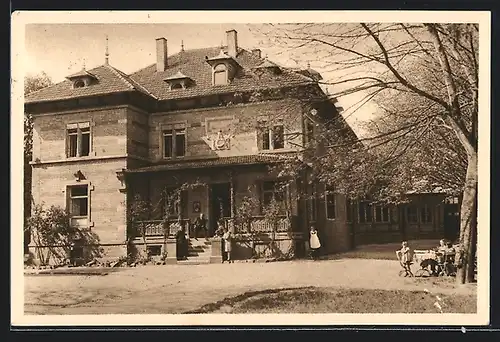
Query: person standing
[(405, 258), (227, 239), (200, 224), (314, 243), (182, 244)]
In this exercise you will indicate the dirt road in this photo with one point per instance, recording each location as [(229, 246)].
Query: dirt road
[(181, 288)]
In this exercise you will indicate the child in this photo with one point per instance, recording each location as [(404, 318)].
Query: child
[(314, 243), (405, 258)]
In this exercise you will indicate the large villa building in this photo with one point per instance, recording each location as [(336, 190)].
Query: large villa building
[(211, 128)]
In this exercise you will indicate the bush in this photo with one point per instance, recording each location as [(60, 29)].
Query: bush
[(54, 236)]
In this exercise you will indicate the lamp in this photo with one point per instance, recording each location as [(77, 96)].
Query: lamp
[(79, 176)]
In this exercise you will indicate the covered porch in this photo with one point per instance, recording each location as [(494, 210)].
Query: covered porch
[(240, 195)]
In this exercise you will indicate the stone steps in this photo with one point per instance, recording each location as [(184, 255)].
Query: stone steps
[(199, 252)]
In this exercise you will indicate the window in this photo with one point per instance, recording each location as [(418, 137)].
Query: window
[(382, 214), (348, 210), (272, 138), (79, 204), (309, 131), (273, 191), (78, 140), (174, 143), (154, 250), (278, 137), (79, 84), (330, 203), (425, 214), (365, 212), (220, 74), (411, 214), (176, 86)]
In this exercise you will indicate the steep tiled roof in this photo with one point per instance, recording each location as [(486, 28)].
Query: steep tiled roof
[(80, 74), (214, 162), (179, 75), (109, 80), (192, 64), (267, 64)]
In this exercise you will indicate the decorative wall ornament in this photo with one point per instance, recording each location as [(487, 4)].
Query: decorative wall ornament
[(120, 174), (219, 133), (220, 141)]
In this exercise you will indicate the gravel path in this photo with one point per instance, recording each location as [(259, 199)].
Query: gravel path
[(180, 288)]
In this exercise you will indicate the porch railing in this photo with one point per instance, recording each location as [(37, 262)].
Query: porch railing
[(156, 227), (260, 224)]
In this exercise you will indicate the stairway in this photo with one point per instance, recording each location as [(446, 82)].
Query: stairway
[(199, 252)]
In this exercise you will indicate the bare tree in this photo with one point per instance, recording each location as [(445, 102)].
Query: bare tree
[(433, 68)]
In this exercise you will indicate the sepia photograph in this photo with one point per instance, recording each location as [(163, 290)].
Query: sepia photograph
[(204, 166)]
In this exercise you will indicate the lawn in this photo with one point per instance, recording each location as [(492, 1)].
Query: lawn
[(324, 300)]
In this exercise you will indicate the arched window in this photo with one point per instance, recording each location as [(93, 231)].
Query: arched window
[(220, 74), (79, 84), (176, 86)]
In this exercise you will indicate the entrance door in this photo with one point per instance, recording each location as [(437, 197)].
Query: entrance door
[(220, 204)]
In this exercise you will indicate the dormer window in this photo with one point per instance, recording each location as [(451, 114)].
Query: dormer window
[(79, 84), (224, 68), (82, 79), (267, 67), (220, 74), (179, 81)]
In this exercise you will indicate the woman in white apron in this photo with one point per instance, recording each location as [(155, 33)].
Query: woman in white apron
[(314, 243)]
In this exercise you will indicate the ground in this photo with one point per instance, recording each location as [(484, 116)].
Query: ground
[(335, 300), (190, 288)]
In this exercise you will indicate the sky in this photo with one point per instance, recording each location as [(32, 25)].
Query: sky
[(62, 49)]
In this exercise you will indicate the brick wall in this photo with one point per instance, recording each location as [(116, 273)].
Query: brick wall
[(137, 133), (241, 119), (107, 203), (108, 133)]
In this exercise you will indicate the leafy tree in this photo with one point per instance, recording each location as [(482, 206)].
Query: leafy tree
[(53, 235), (424, 77), (246, 210), (31, 84)]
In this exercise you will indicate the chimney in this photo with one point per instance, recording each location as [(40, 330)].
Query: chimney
[(161, 54), (232, 43), (257, 52)]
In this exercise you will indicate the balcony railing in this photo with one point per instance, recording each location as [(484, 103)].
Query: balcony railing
[(156, 227), (260, 224)]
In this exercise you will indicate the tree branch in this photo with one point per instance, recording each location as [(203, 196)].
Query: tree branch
[(403, 81)]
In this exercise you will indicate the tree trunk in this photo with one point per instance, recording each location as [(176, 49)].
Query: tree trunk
[(468, 223), (469, 273)]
